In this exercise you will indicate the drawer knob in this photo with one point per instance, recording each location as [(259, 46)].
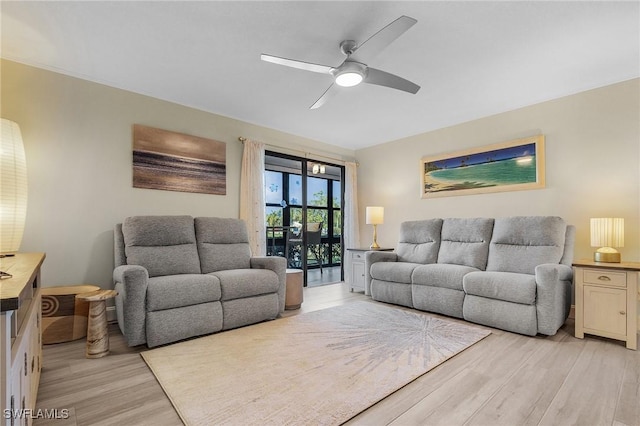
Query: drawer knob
[(604, 278), (623, 313)]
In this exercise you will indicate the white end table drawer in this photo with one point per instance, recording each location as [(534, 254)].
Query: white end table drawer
[(608, 278)]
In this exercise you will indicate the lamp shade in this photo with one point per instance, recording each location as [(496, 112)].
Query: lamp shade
[(607, 232), (375, 215), (13, 187)]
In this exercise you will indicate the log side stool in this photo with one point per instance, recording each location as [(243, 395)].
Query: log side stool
[(293, 295), (97, 332)]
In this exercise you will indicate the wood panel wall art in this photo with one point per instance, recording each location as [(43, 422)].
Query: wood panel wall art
[(172, 161)]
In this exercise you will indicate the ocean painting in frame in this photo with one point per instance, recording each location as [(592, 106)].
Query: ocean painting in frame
[(177, 162), (509, 166)]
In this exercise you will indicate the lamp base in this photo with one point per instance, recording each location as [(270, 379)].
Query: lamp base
[(607, 257), (374, 244)]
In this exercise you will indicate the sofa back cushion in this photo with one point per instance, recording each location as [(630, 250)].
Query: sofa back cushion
[(521, 243), (465, 242), (419, 241), (164, 245), (223, 244)]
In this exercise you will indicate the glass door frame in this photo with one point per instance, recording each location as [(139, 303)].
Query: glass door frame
[(330, 239)]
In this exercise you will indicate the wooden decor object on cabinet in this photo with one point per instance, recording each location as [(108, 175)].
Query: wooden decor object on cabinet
[(607, 300), (64, 318), (21, 344), (356, 266)]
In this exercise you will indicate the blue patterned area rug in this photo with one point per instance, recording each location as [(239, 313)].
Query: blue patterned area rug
[(319, 368)]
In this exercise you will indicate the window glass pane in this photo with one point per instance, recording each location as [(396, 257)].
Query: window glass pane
[(295, 215), (337, 195), (337, 217), (273, 187), (336, 253), (318, 215), (295, 190), (317, 192), (274, 216)]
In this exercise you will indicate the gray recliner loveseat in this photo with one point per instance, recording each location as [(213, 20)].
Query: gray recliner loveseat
[(511, 273), (179, 277)]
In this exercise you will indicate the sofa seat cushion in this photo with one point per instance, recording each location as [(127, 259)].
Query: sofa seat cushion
[(441, 275), (176, 291), (507, 286), (239, 283), (395, 272)]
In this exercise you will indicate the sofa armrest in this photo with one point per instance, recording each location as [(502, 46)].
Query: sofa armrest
[(372, 257), (131, 282), (278, 265), (553, 296)]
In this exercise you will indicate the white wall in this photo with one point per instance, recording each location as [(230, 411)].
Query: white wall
[(78, 143), (592, 168)]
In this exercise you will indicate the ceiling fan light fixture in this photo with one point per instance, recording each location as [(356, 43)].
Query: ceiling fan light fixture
[(350, 74), (349, 79)]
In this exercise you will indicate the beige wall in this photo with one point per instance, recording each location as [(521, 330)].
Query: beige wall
[(78, 142), (592, 167)]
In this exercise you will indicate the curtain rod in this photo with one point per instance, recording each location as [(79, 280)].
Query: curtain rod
[(306, 154)]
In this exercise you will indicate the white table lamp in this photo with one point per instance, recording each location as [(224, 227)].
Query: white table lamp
[(607, 233), (13, 187)]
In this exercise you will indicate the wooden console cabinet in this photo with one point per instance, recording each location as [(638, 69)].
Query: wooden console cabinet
[(607, 300), (21, 337)]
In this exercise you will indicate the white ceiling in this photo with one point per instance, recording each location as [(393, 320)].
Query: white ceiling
[(472, 59)]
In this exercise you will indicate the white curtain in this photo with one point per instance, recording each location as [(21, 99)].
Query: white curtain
[(351, 217), (252, 207)]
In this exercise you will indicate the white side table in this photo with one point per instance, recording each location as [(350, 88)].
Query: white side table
[(356, 266), (607, 300)]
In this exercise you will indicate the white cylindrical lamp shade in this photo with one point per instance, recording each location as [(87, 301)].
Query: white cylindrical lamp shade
[(375, 215), (13, 187), (607, 232)]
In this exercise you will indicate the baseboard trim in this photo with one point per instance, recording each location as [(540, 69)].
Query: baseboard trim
[(572, 312), (111, 314)]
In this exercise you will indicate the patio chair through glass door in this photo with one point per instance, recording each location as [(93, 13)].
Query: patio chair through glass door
[(314, 244)]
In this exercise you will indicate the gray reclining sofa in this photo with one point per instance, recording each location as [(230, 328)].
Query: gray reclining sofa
[(511, 273), (179, 277)]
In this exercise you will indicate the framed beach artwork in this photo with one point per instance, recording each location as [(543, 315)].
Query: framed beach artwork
[(172, 161), (509, 166)]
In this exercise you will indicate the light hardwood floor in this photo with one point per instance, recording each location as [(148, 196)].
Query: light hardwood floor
[(506, 379)]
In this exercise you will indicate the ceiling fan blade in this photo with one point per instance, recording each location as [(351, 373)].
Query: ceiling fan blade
[(377, 42), (307, 66), (382, 78), (328, 94)]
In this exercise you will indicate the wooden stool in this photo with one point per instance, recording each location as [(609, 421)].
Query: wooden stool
[(64, 318), (97, 334), (293, 298)]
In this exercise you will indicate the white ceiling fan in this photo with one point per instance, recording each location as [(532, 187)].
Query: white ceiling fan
[(354, 70)]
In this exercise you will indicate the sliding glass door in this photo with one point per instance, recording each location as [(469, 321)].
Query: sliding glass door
[(304, 201)]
